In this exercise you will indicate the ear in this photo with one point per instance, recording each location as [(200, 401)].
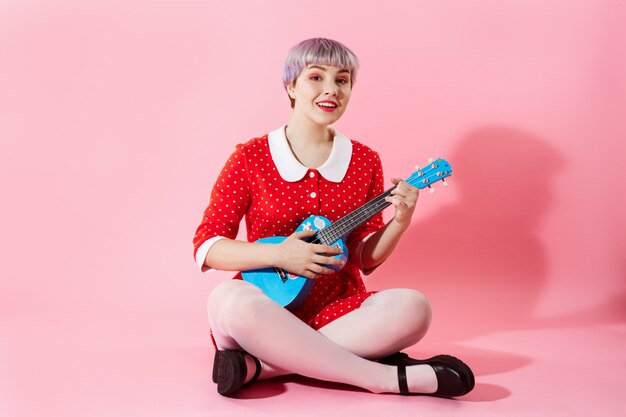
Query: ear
[(290, 91)]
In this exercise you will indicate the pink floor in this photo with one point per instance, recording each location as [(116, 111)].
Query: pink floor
[(76, 366)]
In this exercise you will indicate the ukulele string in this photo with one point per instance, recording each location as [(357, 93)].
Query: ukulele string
[(352, 220)]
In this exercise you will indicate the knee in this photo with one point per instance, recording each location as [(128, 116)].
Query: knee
[(227, 297), (414, 310), (233, 301), (417, 305)]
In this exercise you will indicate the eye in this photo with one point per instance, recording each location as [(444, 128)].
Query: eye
[(315, 77), (342, 81)]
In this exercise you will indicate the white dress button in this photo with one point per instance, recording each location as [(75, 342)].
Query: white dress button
[(311, 174), (313, 195)]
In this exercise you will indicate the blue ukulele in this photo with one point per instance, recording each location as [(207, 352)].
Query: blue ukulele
[(291, 290)]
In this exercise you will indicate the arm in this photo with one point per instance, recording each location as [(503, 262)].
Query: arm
[(292, 254), (378, 247), (237, 255)]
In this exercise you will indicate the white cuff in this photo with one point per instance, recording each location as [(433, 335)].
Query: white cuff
[(202, 252)]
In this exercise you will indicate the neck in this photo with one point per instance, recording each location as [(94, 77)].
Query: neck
[(302, 131)]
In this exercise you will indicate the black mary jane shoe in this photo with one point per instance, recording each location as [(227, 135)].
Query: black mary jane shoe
[(454, 378), (230, 370)]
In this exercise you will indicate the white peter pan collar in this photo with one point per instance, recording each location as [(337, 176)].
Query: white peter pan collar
[(334, 169)]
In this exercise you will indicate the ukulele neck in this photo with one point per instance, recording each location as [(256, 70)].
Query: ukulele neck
[(348, 223), (436, 170)]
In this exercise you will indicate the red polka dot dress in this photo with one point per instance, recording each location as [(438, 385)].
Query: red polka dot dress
[(264, 182)]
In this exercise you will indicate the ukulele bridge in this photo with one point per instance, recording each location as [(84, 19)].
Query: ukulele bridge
[(282, 274)]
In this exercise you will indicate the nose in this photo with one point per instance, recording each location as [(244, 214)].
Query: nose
[(331, 88)]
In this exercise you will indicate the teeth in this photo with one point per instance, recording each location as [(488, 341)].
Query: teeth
[(326, 105)]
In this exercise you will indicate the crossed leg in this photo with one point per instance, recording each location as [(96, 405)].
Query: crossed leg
[(386, 322), (242, 317)]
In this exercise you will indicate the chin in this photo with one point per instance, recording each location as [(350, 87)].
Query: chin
[(329, 119)]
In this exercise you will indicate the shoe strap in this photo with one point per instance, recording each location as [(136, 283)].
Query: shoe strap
[(404, 388)]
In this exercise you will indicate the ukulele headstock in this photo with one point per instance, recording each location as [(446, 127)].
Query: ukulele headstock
[(436, 170)]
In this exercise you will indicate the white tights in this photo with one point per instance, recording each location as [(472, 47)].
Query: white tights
[(242, 317)]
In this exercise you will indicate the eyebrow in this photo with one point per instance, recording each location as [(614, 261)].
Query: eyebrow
[(324, 69)]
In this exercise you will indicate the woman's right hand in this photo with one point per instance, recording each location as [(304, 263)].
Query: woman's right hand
[(309, 260)]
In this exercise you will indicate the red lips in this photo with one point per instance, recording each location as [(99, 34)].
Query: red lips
[(327, 105)]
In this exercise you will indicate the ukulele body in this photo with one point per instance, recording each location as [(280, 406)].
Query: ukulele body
[(290, 290)]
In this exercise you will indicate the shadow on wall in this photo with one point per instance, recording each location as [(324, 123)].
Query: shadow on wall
[(480, 261)]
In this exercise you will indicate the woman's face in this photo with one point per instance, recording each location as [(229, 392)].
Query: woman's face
[(321, 93)]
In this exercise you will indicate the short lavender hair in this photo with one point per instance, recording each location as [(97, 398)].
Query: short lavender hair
[(318, 51)]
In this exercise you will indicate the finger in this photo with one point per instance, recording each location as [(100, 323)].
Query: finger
[(406, 194), (393, 200), (410, 191), (396, 182), (397, 202), (411, 187), (327, 260), (406, 187), (321, 270), (304, 233), (399, 192), (409, 200), (328, 249), (309, 274)]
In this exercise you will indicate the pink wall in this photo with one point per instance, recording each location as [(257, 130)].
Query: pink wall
[(115, 119)]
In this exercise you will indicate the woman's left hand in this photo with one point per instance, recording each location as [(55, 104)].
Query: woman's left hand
[(404, 198)]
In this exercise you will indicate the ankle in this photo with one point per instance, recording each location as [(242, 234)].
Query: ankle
[(251, 367), (421, 379)]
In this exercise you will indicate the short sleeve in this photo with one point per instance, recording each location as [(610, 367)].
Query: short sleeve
[(229, 201)]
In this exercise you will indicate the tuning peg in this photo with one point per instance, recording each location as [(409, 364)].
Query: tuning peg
[(430, 160), (445, 183), (417, 167), (431, 189)]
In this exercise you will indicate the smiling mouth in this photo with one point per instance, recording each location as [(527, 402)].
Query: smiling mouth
[(327, 104)]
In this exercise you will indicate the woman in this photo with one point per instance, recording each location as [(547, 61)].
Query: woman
[(341, 332)]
